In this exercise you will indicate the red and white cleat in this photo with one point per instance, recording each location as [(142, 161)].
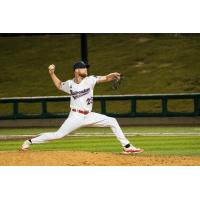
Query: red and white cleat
[(132, 150)]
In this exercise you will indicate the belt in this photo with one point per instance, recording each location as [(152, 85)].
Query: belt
[(81, 111)]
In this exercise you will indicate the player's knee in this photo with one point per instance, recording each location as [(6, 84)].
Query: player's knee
[(58, 135), (112, 121)]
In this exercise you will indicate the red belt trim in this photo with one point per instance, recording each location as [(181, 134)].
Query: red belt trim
[(81, 111)]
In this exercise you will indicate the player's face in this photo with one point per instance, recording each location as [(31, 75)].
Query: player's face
[(82, 72)]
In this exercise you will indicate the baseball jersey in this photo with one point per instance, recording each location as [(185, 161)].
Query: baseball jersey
[(81, 95)]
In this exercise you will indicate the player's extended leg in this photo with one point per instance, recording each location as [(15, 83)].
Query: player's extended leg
[(99, 120), (72, 123)]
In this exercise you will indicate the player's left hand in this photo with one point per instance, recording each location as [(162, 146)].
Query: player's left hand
[(116, 75), (117, 80)]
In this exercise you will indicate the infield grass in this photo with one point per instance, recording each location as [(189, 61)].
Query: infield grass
[(153, 145), (156, 145)]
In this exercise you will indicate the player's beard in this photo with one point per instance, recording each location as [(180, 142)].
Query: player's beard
[(83, 75)]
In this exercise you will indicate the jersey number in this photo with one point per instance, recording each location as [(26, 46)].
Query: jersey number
[(89, 101)]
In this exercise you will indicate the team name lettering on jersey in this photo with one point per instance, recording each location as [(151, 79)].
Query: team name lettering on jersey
[(81, 95), (77, 94)]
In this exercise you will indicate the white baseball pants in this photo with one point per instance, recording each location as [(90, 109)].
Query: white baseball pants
[(77, 120)]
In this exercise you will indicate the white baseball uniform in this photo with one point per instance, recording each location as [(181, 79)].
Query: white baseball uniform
[(81, 98)]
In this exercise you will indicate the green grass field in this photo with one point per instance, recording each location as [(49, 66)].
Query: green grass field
[(153, 145)]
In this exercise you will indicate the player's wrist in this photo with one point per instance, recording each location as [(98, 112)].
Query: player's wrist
[(51, 72)]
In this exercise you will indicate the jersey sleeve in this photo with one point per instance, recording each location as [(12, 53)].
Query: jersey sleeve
[(93, 80), (65, 86)]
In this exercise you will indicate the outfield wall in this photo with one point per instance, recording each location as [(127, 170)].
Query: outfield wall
[(136, 121)]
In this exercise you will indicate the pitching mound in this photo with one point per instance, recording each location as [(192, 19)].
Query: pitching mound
[(65, 158)]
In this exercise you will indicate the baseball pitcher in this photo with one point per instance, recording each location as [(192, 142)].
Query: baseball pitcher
[(80, 89)]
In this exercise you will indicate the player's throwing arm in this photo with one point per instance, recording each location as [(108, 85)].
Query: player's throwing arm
[(55, 79)]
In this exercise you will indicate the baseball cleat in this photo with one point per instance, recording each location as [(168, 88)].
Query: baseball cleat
[(25, 146), (132, 150)]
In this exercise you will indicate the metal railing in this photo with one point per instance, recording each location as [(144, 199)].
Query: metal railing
[(164, 98)]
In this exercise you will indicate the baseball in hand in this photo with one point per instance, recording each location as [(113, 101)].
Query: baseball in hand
[(52, 68)]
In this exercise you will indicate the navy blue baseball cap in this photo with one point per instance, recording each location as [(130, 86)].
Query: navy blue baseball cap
[(80, 64)]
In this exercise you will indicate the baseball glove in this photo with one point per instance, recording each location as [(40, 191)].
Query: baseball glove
[(117, 81)]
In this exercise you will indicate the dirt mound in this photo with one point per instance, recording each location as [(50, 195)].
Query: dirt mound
[(66, 158)]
